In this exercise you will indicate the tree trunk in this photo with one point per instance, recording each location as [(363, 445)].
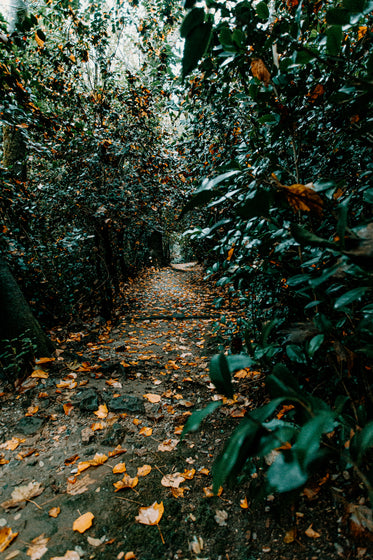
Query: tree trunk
[(16, 318)]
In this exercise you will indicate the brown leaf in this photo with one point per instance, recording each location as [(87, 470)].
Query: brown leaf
[(54, 512), (12, 444), (361, 520), (311, 533), (117, 451), (67, 407), (23, 493), (97, 460), (6, 537), (259, 70), (79, 486), (40, 374), (102, 411), (172, 480), (71, 460), (168, 445), (290, 535), (150, 515), (83, 522), (152, 397), (37, 548), (144, 470)]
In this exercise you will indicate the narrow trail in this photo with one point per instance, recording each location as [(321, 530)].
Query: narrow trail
[(97, 431)]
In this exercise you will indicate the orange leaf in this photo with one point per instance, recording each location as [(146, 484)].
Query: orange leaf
[(311, 533), (291, 535), (6, 537), (178, 429), (209, 493), (83, 522), (102, 411), (136, 421), (97, 426), (150, 515), (119, 468), (71, 460), (12, 444), (97, 460), (44, 360), (117, 451), (68, 408), (54, 512), (146, 431), (144, 470), (130, 555), (230, 253), (204, 471), (243, 503), (178, 492), (40, 374), (126, 482), (31, 410), (168, 445), (188, 474)]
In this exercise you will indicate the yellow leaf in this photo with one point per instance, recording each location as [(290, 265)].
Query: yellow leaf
[(40, 374), (144, 470), (209, 493), (136, 421), (204, 471), (117, 451), (189, 474), (146, 431), (230, 253), (130, 555), (54, 512), (39, 41), (150, 515), (102, 411), (178, 492), (44, 360), (83, 522), (6, 537), (97, 426), (151, 397), (119, 468)]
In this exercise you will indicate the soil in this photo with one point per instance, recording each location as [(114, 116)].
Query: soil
[(160, 345)]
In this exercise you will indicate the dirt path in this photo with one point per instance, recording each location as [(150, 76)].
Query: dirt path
[(123, 398)]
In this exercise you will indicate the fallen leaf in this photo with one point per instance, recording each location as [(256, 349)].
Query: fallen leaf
[(119, 468), (126, 482), (83, 522), (144, 470), (23, 493), (40, 374), (69, 555), (150, 515), (97, 460), (12, 444), (210, 494), (44, 360), (69, 384), (31, 410), (153, 398), (96, 542), (189, 474), (361, 519), (290, 535), (136, 421), (6, 537), (243, 503), (97, 426), (130, 555), (196, 545), (172, 480), (117, 451), (102, 411), (178, 429), (37, 548), (67, 407), (168, 445), (204, 471), (54, 512), (311, 533), (221, 517), (71, 460), (79, 486), (178, 492), (145, 431)]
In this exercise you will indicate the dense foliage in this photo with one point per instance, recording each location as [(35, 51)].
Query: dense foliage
[(88, 92), (281, 135)]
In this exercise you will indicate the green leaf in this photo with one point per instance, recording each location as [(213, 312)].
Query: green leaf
[(189, 4), (262, 10), (239, 361), (238, 38), (303, 57), (334, 39), (315, 344), (225, 36), (195, 46), (286, 473), (349, 297), (281, 383), (193, 19), (354, 6), (235, 452), (305, 237), (194, 421), (361, 442), (220, 375), (258, 205), (308, 441), (295, 354), (338, 16)]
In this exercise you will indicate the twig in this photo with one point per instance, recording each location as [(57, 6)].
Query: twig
[(128, 500), (35, 504), (160, 532)]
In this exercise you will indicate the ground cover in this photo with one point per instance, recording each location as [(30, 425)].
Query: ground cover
[(92, 461)]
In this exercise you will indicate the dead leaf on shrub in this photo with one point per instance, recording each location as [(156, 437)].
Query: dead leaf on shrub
[(38, 548), (83, 522), (259, 70), (6, 537), (150, 515)]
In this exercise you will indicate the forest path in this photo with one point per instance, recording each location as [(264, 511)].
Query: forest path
[(97, 433)]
